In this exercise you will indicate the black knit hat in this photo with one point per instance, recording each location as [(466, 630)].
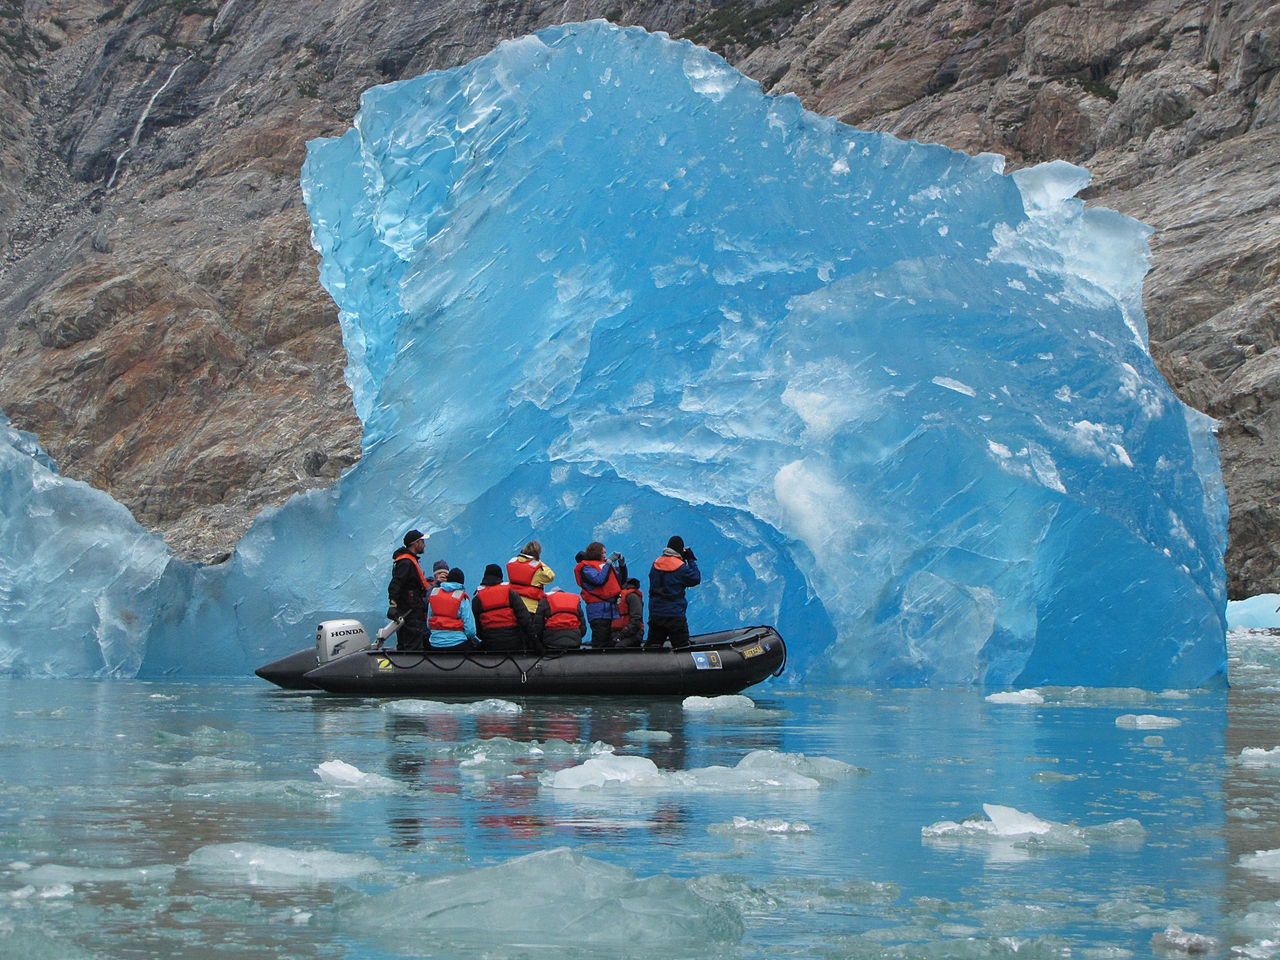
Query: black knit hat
[(412, 537), (676, 544), (456, 576), (492, 574)]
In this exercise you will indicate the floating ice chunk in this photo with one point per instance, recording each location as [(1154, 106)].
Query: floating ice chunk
[(56, 892), (730, 703), (819, 768), (773, 772), (1028, 697), (1256, 613), (418, 708), (339, 773), (1146, 721), (1153, 741), (51, 873), (1259, 757), (1027, 831), (647, 736), (769, 826), (203, 737), (202, 764), (258, 864), (1178, 941), (551, 899), (1263, 861)]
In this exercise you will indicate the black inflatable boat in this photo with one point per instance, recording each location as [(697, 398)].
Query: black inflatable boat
[(717, 663)]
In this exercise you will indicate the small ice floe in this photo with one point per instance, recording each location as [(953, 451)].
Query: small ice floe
[(1026, 697), (769, 826), (495, 750), (339, 773), (1174, 695), (56, 892), (759, 770), (730, 703), (258, 864), (422, 708), (1175, 940), (1245, 813), (647, 736), (550, 899), (22, 893), (1027, 831), (1153, 741), (203, 737), (1146, 721), (52, 873), (1264, 861), (202, 764), (1258, 757), (1136, 915)]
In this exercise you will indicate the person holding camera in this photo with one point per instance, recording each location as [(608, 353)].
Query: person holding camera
[(672, 573), (601, 582)]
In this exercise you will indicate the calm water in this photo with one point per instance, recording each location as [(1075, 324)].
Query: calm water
[(99, 779)]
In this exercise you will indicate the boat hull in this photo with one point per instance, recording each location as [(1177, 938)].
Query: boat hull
[(718, 663)]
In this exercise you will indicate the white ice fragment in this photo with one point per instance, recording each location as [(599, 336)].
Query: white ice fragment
[(955, 385), (259, 864), (770, 826), (730, 703), (53, 873), (1263, 861), (1153, 741), (760, 770), (416, 708), (1176, 940), (1025, 830), (1146, 721), (1028, 697), (56, 892), (647, 736), (339, 773), (1258, 757)]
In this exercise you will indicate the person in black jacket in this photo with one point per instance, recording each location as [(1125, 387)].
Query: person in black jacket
[(407, 593), (503, 622), (560, 622), (672, 573)]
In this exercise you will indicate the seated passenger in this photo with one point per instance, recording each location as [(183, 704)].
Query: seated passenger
[(560, 621), (529, 575), (453, 627), (503, 622), (628, 625)]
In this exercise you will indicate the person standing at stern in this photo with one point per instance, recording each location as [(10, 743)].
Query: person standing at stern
[(671, 574)]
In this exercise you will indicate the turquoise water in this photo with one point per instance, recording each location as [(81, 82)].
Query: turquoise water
[(100, 779)]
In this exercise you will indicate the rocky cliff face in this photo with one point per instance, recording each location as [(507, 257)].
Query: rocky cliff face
[(163, 331)]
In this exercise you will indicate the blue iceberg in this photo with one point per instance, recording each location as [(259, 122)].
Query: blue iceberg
[(596, 285)]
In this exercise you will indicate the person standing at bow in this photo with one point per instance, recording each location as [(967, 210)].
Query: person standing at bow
[(407, 593), (503, 622), (453, 627), (672, 573), (601, 583), (528, 575)]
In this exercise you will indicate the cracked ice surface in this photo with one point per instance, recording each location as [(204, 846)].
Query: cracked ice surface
[(595, 284)]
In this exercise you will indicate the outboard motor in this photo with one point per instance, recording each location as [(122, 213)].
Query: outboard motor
[(337, 638)]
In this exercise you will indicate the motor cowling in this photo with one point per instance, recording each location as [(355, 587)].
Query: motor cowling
[(337, 638)]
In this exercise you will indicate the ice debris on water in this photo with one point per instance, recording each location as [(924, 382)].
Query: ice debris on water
[(1175, 940), (49, 873), (1026, 697), (551, 899), (759, 770), (727, 704), (1027, 831), (259, 864), (1263, 861), (1260, 757), (647, 736), (339, 773), (425, 708), (767, 826), (759, 254), (1146, 721)]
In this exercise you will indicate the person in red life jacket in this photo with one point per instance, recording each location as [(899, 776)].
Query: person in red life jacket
[(601, 583), (671, 574), (628, 625), (407, 593), (503, 622), (560, 621), (452, 624), (528, 575)]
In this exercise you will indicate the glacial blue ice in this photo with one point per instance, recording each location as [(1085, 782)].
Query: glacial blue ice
[(596, 285)]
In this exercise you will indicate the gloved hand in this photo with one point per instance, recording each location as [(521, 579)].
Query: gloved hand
[(393, 612), (617, 558), (688, 554)]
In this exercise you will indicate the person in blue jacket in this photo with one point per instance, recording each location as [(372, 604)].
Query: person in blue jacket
[(671, 574), (449, 615), (601, 582)]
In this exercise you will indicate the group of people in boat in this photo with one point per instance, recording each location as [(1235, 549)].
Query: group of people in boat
[(522, 612)]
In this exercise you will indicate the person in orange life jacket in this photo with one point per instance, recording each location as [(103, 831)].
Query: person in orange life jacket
[(560, 621), (673, 572), (528, 575), (452, 624), (628, 625), (601, 582), (407, 593), (503, 622)]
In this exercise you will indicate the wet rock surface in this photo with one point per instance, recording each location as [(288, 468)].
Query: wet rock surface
[(163, 331)]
